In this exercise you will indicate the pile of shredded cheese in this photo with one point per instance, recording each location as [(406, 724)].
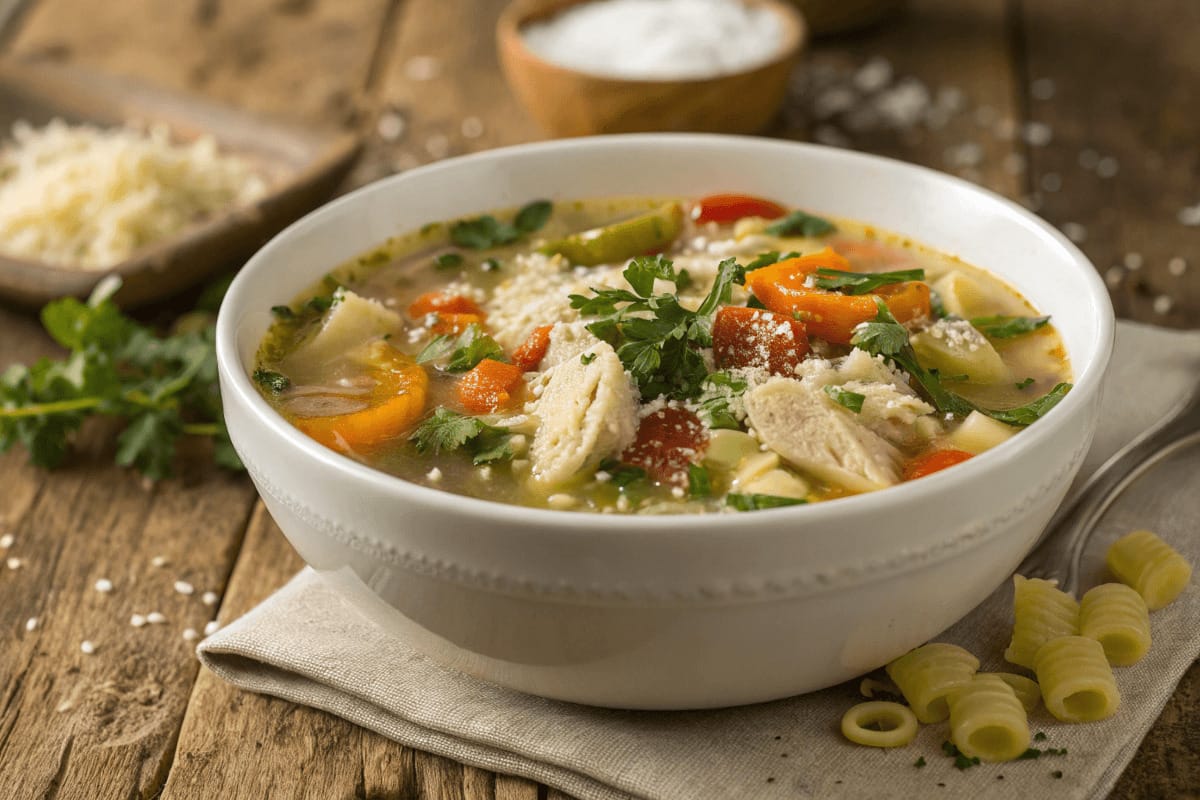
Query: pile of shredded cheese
[(84, 197)]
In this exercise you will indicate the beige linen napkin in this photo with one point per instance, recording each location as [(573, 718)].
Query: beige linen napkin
[(306, 645)]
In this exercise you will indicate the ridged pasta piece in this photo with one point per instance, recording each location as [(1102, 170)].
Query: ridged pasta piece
[(1151, 566), (1116, 616), (926, 675), (879, 724), (1077, 682), (1026, 690), (1041, 612), (987, 719)]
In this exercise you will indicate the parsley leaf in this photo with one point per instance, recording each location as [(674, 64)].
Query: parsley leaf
[(719, 389), (533, 216), (448, 430), (1024, 384), (449, 260), (463, 351), (273, 382), (1001, 327), (845, 398), (800, 223), (1032, 411), (587, 358), (769, 258), (756, 502), (622, 476), (699, 482), (863, 282), (482, 233)]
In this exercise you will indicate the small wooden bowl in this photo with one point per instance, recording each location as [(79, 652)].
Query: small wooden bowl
[(302, 166), (567, 102)]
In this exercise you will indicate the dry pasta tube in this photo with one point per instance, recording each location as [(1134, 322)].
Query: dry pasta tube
[(1026, 690), (1151, 566), (1077, 682), (987, 720), (1041, 612), (929, 673), (879, 724), (1116, 616)]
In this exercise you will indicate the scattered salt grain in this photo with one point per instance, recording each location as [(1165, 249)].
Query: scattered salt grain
[(678, 492), (1037, 134), (31, 624), (209, 598), (1177, 266), (211, 627), (104, 586), (156, 618), (13, 563), (1075, 232), (471, 128), (158, 561), (1114, 276), (1042, 89), (1107, 167), (1051, 182), (1162, 304), (183, 587), (6, 541), (422, 68), (190, 635), (904, 105), (390, 126), (434, 475), (1088, 158), (1133, 261), (137, 620), (87, 647)]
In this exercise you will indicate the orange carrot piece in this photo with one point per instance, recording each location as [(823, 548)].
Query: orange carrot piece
[(533, 350), (443, 303), (753, 337), (455, 323), (932, 462), (791, 273), (489, 386), (667, 443), (394, 405)]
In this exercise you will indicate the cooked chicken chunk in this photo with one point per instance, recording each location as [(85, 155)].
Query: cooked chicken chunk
[(800, 423)]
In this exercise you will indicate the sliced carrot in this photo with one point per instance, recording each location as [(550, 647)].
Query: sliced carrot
[(455, 323), (441, 302), (932, 462), (489, 386), (732, 207), (753, 337), (667, 443), (393, 406), (791, 273), (533, 350)]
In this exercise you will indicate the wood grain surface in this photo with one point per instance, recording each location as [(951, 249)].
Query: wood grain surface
[(1107, 79)]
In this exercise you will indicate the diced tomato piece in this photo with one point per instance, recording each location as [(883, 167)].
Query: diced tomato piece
[(667, 442), (732, 207), (753, 337), (533, 350), (489, 386), (444, 303), (455, 323), (932, 462)]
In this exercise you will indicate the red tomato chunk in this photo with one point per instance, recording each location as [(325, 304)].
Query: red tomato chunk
[(732, 207), (935, 461), (752, 337), (667, 442)]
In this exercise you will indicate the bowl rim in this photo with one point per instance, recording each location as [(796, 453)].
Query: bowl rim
[(235, 378), (519, 13)]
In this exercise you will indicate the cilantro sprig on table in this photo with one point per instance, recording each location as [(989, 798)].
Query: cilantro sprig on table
[(163, 387), (886, 337), (656, 338)]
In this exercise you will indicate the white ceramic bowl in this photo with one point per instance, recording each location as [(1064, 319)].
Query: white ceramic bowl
[(670, 612)]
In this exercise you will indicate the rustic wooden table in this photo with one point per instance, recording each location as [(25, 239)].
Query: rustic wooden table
[(1102, 95)]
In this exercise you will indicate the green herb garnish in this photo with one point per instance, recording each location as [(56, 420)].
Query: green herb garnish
[(283, 312), (622, 476), (863, 282), (699, 482), (1032, 411), (485, 232), (490, 265), (937, 308), (448, 261), (769, 258), (1001, 327), (587, 358), (533, 216), (714, 404), (163, 387), (961, 762), (757, 502), (463, 351), (1040, 736), (319, 304), (800, 223), (845, 398), (448, 430), (273, 382), (1025, 383), (920, 762)]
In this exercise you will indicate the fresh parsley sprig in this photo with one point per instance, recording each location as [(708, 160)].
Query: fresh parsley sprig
[(1002, 327), (462, 352), (863, 282), (486, 232), (758, 502), (447, 430), (801, 223), (163, 387), (846, 398)]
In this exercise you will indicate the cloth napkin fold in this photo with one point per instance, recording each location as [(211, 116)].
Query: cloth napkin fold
[(306, 645)]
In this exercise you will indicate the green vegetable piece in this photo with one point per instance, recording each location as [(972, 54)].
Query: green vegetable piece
[(1001, 327), (533, 216), (801, 223), (273, 382), (462, 352), (1024, 384), (587, 358), (1030, 412), (448, 261), (863, 282), (845, 398), (447, 430), (283, 312), (699, 482), (757, 502), (622, 476), (483, 233), (769, 258), (644, 233)]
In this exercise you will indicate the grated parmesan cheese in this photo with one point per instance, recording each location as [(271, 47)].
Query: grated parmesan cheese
[(88, 198)]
